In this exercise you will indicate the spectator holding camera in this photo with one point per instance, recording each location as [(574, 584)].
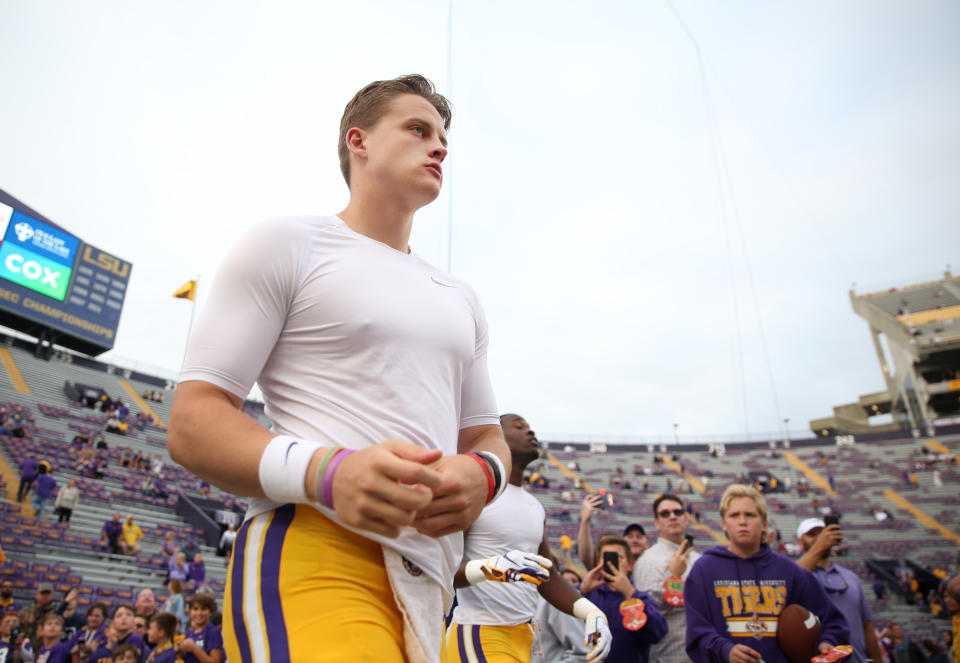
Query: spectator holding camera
[(632, 614), (11, 637), (662, 570), (634, 534), (819, 540)]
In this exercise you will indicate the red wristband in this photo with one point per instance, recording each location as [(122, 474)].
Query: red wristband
[(492, 485)]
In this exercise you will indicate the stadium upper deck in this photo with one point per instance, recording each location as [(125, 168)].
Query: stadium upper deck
[(916, 336)]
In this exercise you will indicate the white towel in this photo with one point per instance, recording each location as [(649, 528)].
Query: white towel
[(423, 603)]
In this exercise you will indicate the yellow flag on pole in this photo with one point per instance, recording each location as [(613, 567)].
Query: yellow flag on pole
[(187, 291)]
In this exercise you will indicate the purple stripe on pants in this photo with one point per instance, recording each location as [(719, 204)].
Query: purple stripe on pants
[(236, 592), (270, 582)]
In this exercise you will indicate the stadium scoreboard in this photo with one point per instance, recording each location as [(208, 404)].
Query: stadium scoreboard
[(51, 279)]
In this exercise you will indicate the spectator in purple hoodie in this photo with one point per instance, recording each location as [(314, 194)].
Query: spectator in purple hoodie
[(28, 472), (735, 593)]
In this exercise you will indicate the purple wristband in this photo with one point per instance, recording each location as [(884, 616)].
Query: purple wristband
[(328, 476)]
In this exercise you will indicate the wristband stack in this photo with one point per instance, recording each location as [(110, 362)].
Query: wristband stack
[(328, 468), (487, 472), (494, 471)]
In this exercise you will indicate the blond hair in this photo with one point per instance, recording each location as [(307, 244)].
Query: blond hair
[(737, 490)]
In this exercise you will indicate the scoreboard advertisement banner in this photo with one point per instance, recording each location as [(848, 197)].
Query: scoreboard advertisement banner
[(49, 278)]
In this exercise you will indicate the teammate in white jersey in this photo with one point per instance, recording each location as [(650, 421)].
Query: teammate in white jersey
[(373, 368), (492, 620)]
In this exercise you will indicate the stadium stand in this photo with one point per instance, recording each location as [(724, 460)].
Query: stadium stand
[(898, 495), (916, 336), (69, 554), (894, 477)]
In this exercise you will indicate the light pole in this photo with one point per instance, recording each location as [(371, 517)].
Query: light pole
[(676, 436), (786, 430)]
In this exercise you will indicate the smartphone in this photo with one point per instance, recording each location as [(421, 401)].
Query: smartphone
[(611, 561), (831, 520), (689, 538)]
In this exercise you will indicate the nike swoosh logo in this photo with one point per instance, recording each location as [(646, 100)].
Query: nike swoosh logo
[(445, 285), (287, 455)]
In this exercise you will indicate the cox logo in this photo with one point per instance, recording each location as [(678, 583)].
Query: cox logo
[(24, 231), (31, 269)]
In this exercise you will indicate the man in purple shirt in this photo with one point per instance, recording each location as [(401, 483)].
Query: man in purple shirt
[(43, 492), (110, 534), (198, 570), (842, 586), (610, 587), (28, 472)]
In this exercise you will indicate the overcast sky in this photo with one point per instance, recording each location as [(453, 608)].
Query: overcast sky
[(621, 211)]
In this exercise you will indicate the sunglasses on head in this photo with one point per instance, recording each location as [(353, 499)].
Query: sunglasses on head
[(665, 513)]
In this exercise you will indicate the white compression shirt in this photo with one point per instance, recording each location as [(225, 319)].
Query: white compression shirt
[(513, 522), (352, 343)]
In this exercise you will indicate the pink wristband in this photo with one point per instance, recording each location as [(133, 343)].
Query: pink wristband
[(328, 476)]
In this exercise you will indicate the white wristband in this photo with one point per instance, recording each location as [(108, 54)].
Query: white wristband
[(283, 469), (473, 572), (582, 607)]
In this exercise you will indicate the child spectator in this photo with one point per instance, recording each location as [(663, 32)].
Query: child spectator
[(125, 654), (160, 633), (175, 604), (203, 642), (120, 632), (10, 644), (49, 630)]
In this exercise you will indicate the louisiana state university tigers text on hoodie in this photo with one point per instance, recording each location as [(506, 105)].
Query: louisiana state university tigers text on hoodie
[(731, 600)]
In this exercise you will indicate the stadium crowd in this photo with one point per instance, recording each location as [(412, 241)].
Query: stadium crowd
[(641, 593), (643, 590)]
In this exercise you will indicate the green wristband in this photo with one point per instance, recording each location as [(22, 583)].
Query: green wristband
[(318, 482)]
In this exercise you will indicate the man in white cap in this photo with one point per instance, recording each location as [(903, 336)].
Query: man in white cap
[(842, 585)]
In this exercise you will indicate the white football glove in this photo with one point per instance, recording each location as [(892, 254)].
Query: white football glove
[(596, 630), (512, 566)]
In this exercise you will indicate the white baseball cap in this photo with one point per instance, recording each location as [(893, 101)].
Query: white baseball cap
[(809, 524)]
